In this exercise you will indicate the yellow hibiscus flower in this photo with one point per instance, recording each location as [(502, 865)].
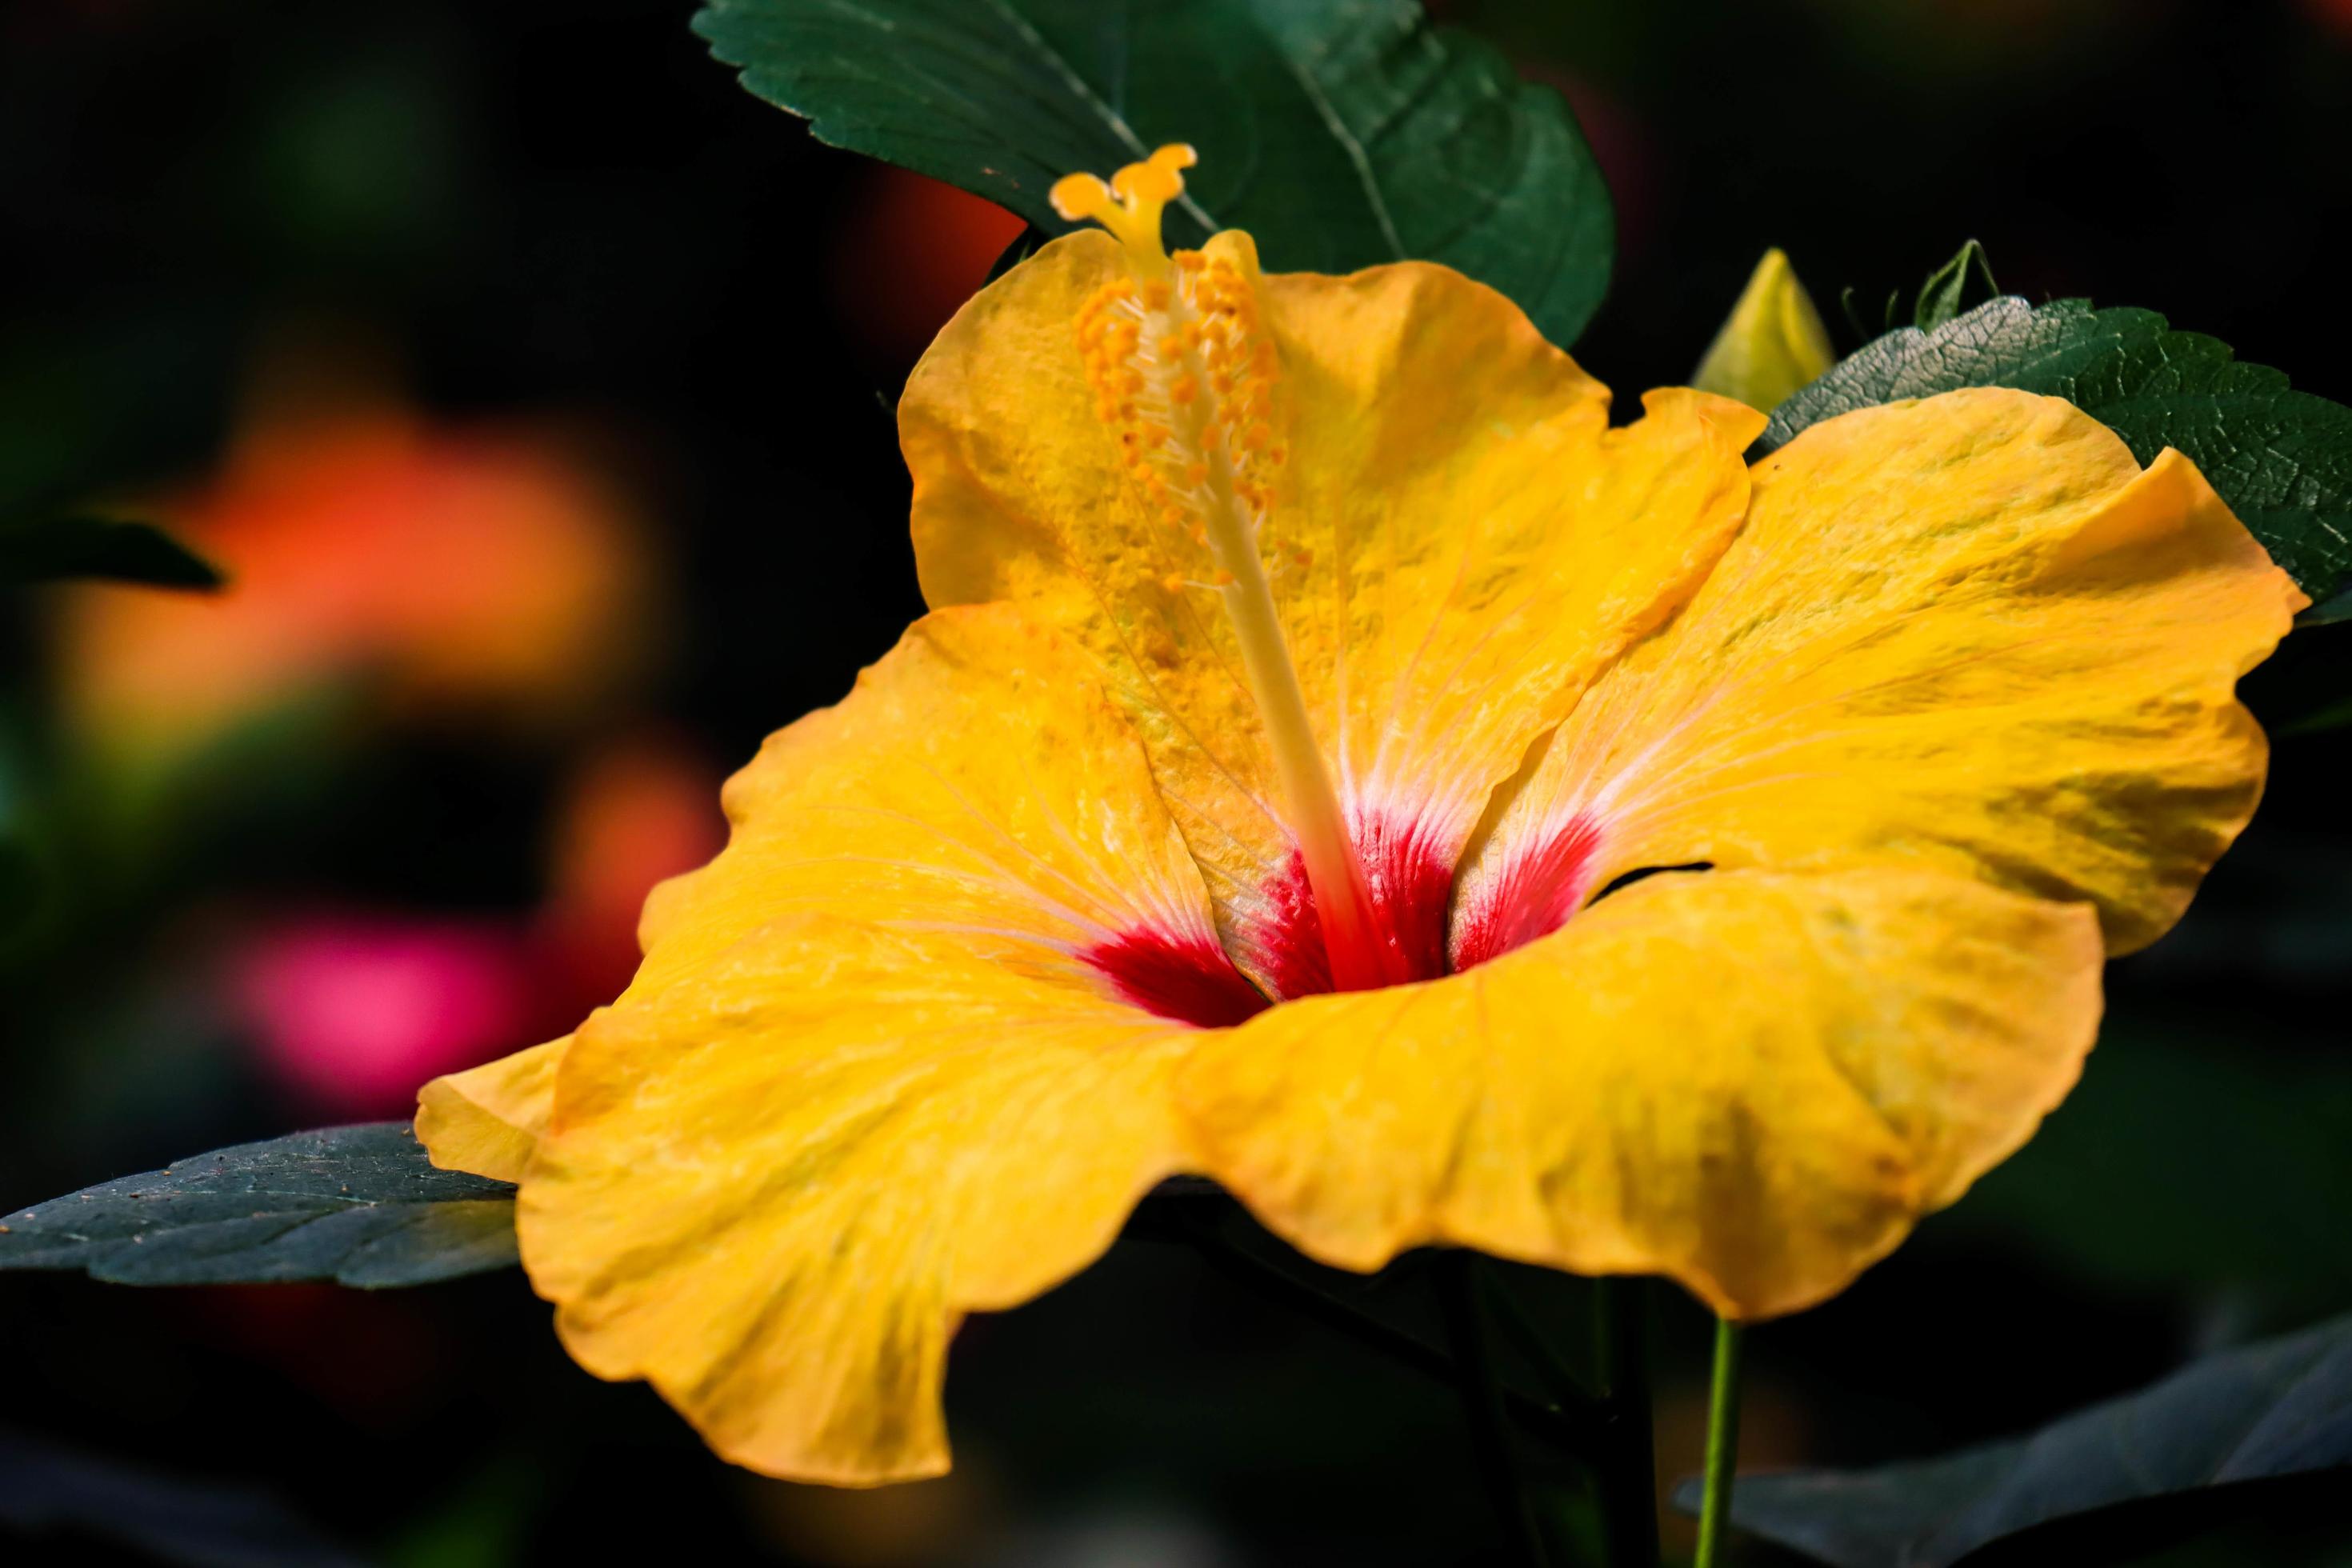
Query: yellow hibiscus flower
[(1311, 669)]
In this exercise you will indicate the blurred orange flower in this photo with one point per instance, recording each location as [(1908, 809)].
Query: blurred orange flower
[(470, 567)]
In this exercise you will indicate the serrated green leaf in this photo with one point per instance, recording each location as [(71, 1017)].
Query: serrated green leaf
[(65, 547), (1338, 132), (361, 1205), (2283, 1407), (2282, 459), (1958, 286)]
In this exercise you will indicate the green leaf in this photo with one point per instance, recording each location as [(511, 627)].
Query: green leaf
[(361, 1205), (2282, 459), (2328, 612), (1958, 286), (100, 547), (2283, 1407), (1338, 132)]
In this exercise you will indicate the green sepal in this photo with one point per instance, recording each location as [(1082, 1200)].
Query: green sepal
[(1955, 287)]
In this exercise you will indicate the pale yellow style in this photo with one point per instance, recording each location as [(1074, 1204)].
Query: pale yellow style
[(1254, 591)]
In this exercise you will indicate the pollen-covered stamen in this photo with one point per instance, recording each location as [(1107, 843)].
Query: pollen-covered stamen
[(1184, 375)]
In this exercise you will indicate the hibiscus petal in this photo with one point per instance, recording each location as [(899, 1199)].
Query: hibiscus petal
[(891, 1057), (1967, 633), (978, 785), (489, 1120), (1750, 1081), (1470, 560), (778, 1178)]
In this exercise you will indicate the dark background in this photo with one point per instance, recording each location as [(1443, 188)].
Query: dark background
[(566, 212)]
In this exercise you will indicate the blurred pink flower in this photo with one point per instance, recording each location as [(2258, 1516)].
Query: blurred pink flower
[(351, 1011)]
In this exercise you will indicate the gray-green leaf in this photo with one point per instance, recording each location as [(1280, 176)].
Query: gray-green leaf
[(2279, 1408), (2282, 459), (361, 1205), (1338, 132)]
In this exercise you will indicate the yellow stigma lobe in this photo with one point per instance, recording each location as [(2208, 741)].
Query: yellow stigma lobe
[(1184, 375), (1131, 206)]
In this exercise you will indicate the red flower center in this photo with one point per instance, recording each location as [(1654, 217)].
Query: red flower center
[(1426, 935)]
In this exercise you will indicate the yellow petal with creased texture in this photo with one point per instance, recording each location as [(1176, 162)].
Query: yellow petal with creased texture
[(1967, 633), (1750, 1081), (868, 1078), (776, 1180), (1459, 541), (489, 1120)]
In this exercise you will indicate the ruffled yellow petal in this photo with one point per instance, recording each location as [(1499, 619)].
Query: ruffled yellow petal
[(489, 1120), (1458, 541), (1967, 633), (978, 785), (878, 1069), (1752, 1082), (779, 1178)]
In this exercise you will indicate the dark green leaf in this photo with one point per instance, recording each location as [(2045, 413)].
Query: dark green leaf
[(1339, 132), (2328, 612), (2282, 1407), (1958, 286), (2282, 459), (100, 547), (361, 1205)]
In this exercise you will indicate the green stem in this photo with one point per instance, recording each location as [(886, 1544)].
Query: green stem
[(1628, 1467), (1722, 1442), (1482, 1404)]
